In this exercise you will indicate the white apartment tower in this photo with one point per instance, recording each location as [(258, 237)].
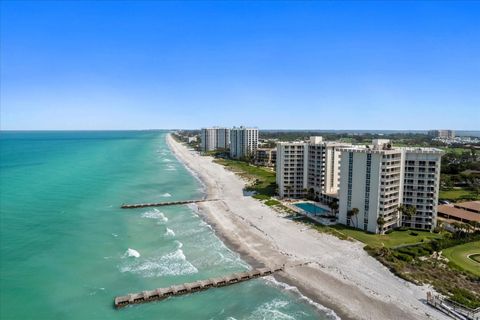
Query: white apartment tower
[(243, 142), (223, 138), (319, 162), (421, 184), (214, 139), (373, 180), (291, 169)]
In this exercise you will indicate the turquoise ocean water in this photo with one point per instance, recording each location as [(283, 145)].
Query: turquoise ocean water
[(67, 249)]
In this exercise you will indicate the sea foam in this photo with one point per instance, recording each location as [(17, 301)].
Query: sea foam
[(155, 214), (131, 253), (172, 264), (271, 310), (330, 313), (169, 233)]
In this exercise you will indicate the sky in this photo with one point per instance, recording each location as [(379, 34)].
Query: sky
[(82, 65)]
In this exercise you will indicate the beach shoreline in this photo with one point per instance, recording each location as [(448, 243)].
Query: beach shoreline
[(339, 275)]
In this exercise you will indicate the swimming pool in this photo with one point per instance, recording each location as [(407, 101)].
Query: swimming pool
[(311, 208)]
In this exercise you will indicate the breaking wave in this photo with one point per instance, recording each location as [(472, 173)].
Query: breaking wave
[(271, 310), (330, 313), (172, 264), (131, 253), (169, 232), (155, 214)]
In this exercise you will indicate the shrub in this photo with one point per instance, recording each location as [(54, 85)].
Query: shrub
[(271, 202), (403, 257), (261, 196), (413, 233)]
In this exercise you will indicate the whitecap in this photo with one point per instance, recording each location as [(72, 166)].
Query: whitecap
[(166, 194), (169, 233), (131, 253), (179, 244), (172, 264), (167, 160), (115, 235), (155, 214)]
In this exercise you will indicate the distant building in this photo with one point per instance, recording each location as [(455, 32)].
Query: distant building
[(377, 179), (442, 134), (308, 168), (223, 138), (243, 142), (192, 139), (266, 157), (214, 139)]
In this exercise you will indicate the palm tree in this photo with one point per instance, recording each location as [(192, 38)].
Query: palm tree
[(411, 211), (355, 214), (407, 211), (381, 223), (349, 217), (311, 194), (334, 207)]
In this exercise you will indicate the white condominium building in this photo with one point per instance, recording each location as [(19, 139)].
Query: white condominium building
[(373, 182), (308, 168), (243, 142), (421, 184), (291, 169), (214, 139)]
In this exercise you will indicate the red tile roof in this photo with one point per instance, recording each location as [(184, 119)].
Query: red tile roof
[(451, 211), (471, 205)]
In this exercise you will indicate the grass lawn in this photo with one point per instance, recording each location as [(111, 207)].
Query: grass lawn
[(266, 179), (457, 151), (456, 194), (393, 239), (459, 256)]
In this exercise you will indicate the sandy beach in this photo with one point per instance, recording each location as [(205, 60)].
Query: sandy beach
[(339, 275)]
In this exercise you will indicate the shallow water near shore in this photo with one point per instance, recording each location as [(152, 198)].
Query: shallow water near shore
[(67, 249)]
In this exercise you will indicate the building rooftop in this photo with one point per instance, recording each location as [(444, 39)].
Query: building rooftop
[(450, 210), (376, 149), (470, 205)]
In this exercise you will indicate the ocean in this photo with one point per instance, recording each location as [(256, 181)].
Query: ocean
[(67, 249)]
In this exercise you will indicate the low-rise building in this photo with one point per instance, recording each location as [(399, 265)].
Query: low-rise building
[(465, 212), (266, 157)]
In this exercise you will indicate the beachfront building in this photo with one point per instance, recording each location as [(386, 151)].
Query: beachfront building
[(266, 157), (291, 169), (243, 142), (308, 169), (215, 138), (377, 180), (421, 184)]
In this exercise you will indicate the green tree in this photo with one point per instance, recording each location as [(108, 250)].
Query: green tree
[(354, 213), (334, 207), (381, 223)]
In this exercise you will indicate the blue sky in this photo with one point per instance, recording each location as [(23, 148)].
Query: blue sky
[(297, 65)]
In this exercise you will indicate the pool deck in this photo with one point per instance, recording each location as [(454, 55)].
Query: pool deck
[(309, 215)]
